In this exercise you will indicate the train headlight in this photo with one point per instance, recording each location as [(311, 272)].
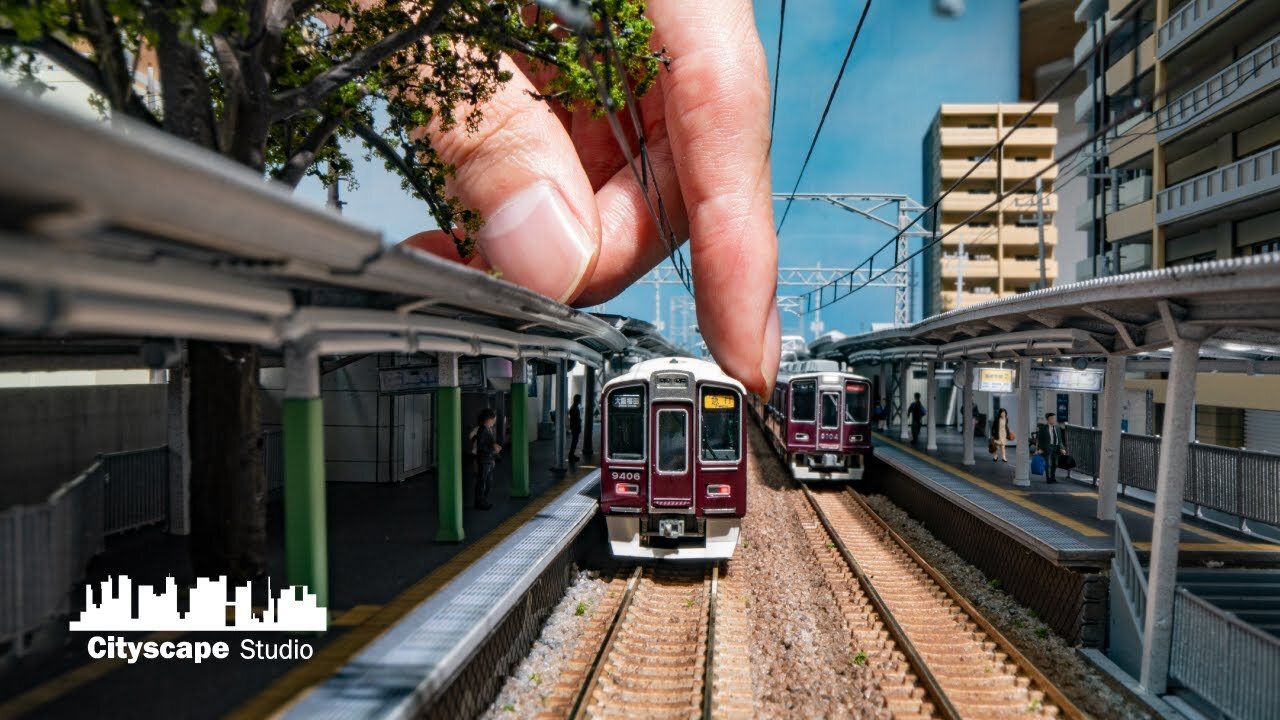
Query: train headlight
[(626, 489), (802, 437), (718, 491), (855, 438)]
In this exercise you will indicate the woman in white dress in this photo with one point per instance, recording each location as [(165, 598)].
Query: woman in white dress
[(999, 434)]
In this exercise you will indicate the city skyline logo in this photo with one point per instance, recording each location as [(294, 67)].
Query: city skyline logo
[(293, 609)]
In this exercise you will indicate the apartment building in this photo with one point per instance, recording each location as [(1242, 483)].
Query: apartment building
[(1191, 170), (996, 251)]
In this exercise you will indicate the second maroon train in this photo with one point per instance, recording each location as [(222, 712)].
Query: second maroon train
[(819, 421)]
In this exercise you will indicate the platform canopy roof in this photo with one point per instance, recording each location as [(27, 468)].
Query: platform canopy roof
[(111, 235), (1235, 301)]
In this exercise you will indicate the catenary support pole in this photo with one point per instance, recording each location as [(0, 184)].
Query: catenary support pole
[(966, 429), (449, 446), (1022, 445), (931, 410), (589, 413), (306, 541), (562, 412), (519, 428), (1109, 447), (178, 398), (1180, 399), (906, 401)]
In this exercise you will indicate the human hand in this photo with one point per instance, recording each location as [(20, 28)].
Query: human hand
[(564, 215)]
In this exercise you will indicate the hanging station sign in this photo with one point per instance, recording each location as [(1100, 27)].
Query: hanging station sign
[(1067, 380), (426, 378), (996, 380)]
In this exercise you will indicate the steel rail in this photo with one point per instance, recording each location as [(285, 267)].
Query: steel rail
[(931, 685), (1068, 708), (708, 674), (597, 664)]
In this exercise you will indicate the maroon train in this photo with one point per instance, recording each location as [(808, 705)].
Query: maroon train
[(673, 471), (819, 421)]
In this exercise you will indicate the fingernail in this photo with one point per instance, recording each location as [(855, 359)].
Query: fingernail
[(772, 351), (535, 241)]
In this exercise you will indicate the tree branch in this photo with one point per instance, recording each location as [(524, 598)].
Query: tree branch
[(81, 68), (291, 102), (296, 168), (403, 164)]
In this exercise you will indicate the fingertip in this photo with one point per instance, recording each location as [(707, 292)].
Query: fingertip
[(771, 353)]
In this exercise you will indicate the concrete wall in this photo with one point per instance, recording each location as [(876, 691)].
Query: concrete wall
[(48, 435)]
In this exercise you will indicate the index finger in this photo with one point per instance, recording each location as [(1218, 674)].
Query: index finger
[(717, 113)]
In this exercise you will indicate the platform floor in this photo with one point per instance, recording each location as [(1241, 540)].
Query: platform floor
[(1059, 520), (383, 563)]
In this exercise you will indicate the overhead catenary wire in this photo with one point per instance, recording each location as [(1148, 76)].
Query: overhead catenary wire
[(835, 86), (777, 70)]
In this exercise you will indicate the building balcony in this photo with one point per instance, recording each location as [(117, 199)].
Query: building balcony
[(1024, 203), (1123, 71), (1023, 169), (1131, 221), (1134, 139), (1115, 8), (1091, 96), (1237, 84), (967, 202), (1022, 270), (1023, 236), (968, 137), (1245, 187), (949, 298), (970, 235), (952, 268), (1189, 21), (955, 169), (1032, 137)]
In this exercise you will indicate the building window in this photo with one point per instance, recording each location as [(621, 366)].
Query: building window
[(1202, 257), (1266, 246)]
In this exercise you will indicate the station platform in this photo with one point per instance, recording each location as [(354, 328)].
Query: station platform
[(384, 564)]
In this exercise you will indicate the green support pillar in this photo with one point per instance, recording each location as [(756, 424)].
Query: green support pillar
[(449, 448), (519, 429), (306, 541), (589, 413)]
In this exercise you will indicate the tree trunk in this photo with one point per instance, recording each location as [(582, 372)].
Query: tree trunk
[(228, 485)]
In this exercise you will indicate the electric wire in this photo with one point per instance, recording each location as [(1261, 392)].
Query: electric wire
[(835, 86), (777, 69)]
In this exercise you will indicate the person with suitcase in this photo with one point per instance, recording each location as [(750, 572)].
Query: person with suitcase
[(1052, 445)]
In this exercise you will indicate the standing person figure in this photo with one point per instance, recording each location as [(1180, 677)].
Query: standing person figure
[(1050, 441), (575, 427), (487, 449), (999, 435), (917, 412)]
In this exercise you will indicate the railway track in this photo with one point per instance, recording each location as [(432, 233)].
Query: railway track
[(652, 649), (951, 662)]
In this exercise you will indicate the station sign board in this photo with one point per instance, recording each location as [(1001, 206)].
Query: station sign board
[(1066, 380), (996, 380), (410, 379)]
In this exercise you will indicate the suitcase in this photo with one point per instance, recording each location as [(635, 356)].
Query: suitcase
[(1037, 464)]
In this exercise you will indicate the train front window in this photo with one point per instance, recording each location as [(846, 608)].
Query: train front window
[(804, 400), (626, 424), (856, 401), (673, 441), (830, 409), (720, 425)]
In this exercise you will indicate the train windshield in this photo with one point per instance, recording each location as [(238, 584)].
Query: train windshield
[(626, 424), (830, 409), (673, 440), (804, 397), (720, 425), (856, 401)]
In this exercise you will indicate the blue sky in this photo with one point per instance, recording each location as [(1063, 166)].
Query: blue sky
[(907, 62)]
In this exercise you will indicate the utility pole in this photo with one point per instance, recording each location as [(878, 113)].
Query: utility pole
[(1040, 226)]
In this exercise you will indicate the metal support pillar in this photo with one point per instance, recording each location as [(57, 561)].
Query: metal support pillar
[(519, 429), (966, 374), (589, 413), (306, 541), (931, 410), (178, 398), (449, 448), (1022, 447), (1109, 452), (1180, 399), (562, 412), (901, 275), (906, 401)]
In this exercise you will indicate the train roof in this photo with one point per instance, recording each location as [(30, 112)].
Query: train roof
[(702, 371), (790, 371)]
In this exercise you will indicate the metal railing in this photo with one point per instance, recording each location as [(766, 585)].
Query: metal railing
[(1127, 572), (1239, 482), (1233, 665), (273, 459), (135, 489), (1235, 82), (1186, 21), (1249, 176)]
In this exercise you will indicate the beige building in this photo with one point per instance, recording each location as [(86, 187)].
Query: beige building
[(1196, 175), (997, 251)]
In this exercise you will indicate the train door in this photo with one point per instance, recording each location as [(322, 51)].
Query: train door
[(671, 472), (829, 416)]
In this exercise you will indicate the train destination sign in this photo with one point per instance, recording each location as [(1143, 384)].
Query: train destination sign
[(716, 401), (426, 378), (1089, 381), (996, 380)]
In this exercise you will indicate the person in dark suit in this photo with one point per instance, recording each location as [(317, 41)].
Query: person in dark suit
[(917, 412), (487, 449), (575, 427), (1052, 444)]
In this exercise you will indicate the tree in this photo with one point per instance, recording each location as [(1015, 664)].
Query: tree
[(275, 85)]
